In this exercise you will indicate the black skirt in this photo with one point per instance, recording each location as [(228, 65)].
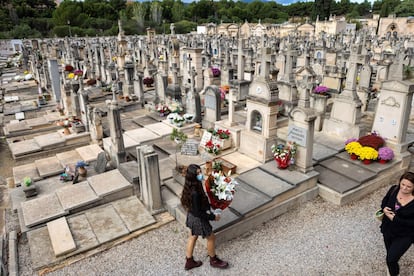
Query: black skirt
[(198, 226)]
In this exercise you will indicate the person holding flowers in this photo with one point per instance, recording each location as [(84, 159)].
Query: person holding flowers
[(196, 203)]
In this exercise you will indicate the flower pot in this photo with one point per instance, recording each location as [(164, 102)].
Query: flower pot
[(66, 131), (366, 161), (353, 156), (383, 161), (82, 171), (282, 163)]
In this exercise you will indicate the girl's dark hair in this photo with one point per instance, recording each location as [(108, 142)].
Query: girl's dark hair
[(192, 184), (409, 176)]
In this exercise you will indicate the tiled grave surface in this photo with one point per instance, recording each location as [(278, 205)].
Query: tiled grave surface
[(243, 162), (248, 199), (60, 236), (264, 182), (129, 124), (141, 135), (321, 152), (160, 129), (106, 223), (49, 141), (290, 176), (108, 182), (49, 166), (20, 172), (40, 255), (68, 157), (144, 120), (89, 153), (24, 147), (41, 209), (334, 181), (133, 213), (354, 172), (74, 196), (38, 121), (82, 233)]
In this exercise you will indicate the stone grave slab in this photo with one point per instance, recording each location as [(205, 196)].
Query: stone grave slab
[(133, 213), (267, 183), (129, 143), (12, 108), (68, 157), (375, 167), (355, 172), (106, 223), (41, 210), (28, 106), (60, 236), (82, 233), (38, 121), (242, 161), (129, 124), (166, 167), (49, 166), (52, 116), (248, 198), (166, 145), (144, 120), (228, 217), (75, 196), (108, 182), (321, 152), (20, 172), (20, 126), (334, 181), (130, 171), (89, 153), (160, 129), (141, 135), (24, 147), (290, 176), (49, 141), (41, 251), (329, 141)]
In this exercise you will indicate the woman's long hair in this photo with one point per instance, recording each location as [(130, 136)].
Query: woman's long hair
[(192, 184)]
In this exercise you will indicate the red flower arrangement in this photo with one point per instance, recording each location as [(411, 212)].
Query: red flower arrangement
[(69, 68), (372, 140), (212, 147)]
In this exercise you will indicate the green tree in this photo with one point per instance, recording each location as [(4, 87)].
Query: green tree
[(321, 8), (405, 8), (156, 12), (139, 11), (183, 27), (177, 11), (388, 7)]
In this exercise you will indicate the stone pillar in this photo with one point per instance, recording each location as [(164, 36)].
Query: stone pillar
[(55, 79), (117, 151), (149, 179), (301, 131)]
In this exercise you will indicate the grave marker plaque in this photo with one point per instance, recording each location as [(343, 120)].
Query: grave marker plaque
[(297, 134), (190, 147)]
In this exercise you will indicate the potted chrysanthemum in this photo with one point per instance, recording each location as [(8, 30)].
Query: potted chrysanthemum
[(385, 154)]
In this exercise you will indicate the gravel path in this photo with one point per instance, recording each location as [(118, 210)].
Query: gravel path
[(317, 238)]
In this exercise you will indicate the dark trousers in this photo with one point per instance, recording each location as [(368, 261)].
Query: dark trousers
[(396, 247)]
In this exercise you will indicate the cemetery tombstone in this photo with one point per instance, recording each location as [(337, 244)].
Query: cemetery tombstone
[(212, 102)]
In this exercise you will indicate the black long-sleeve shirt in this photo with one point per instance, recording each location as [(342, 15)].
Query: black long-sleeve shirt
[(403, 222), (198, 209)]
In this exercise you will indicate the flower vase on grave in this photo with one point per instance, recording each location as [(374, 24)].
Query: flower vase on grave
[(366, 161), (353, 156), (82, 171), (383, 161), (282, 163)]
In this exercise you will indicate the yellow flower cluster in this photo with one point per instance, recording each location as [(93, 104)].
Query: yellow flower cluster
[(71, 75), (353, 147), (362, 152), (367, 153)]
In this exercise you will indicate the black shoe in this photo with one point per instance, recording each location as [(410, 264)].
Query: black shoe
[(190, 264), (216, 262)]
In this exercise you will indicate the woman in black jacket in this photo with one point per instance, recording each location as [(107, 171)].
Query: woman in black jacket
[(195, 201), (397, 225)]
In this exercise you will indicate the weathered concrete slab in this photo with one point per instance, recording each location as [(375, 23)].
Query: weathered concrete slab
[(129, 143), (129, 124), (264, 182), (20, 172), (321, 152), (60, 236), (108, 182), (24, 147), (352, 171), (166, 167), (144, 120), (75, 196), (334, 181), (82, 233), (166, 145), (21, 126), (52, 116), (133, 213), (49, 166), (41, 251), (160, 129), (374, 167), (89, 153), (141, 135), (50, 140), (68, 157), (329, 141), (36, 122), (243, 162), (130, 171), (290, 176), (106, 223), (41, 210), (228, 217), (248, 199)]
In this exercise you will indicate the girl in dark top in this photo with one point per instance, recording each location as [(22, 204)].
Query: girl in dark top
[(195, 201), (397, 225)]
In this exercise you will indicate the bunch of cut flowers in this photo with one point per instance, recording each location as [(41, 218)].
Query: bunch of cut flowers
[(220, 190), (212, 147), (220, 133)]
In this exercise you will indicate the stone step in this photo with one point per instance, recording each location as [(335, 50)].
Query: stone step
[(60, 236), (174, 186)]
